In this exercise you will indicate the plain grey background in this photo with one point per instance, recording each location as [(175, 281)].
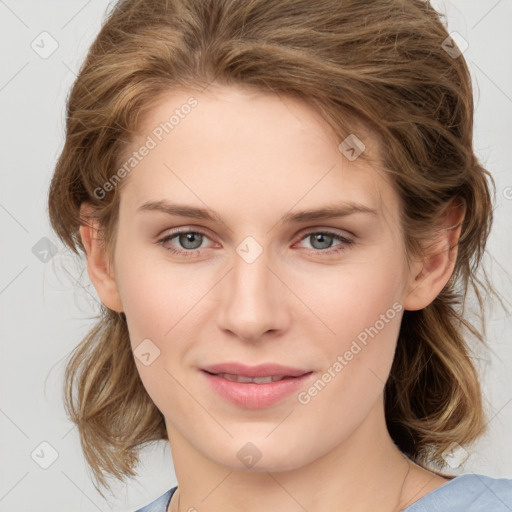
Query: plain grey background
[(47, 302)]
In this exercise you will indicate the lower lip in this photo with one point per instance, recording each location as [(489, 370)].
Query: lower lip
[(250, 395)]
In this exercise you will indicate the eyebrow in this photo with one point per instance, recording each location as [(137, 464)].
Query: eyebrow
[(330, 211)]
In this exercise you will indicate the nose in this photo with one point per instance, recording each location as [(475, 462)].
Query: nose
[(253, 300)]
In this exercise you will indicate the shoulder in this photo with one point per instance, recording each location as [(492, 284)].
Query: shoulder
[(160, 504), (471, 492)]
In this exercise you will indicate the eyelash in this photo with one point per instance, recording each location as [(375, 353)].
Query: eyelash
[(194, 252)]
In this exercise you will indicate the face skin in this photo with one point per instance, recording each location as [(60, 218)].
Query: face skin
[(253, 157)]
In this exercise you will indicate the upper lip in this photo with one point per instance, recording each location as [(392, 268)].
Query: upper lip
[(261, 370)]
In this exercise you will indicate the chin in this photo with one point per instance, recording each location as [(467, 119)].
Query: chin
[(261, 456)]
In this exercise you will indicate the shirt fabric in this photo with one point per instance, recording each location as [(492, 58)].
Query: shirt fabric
[(465, 493)]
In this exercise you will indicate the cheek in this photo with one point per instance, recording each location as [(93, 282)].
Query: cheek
[(361, 306), (164, 307), (366, 320), (156, 294), (351, 298)]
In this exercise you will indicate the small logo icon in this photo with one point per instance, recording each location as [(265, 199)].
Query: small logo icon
[(249, 250), (454, 45), (352, 147), (44, 45), (44, 250), (146, 352), (249, 455), (44, 455), (455, 455)]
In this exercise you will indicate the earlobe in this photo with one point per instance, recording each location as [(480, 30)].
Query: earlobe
[(100, 273), (429, 276)]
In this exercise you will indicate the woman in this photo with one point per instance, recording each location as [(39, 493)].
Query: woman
[(282, 213)]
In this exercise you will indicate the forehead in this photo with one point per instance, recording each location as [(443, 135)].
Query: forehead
[(247, 152)]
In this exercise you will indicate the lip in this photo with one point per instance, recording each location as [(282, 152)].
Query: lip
[(250, 395)]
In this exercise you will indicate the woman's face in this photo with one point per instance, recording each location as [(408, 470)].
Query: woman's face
[(257, 282)]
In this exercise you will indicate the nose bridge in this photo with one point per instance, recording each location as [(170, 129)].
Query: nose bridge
[(252, 301)]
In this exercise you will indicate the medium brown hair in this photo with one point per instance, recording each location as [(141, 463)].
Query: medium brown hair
[(381, 62)]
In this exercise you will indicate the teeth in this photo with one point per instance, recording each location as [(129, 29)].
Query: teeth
[(257, 380)]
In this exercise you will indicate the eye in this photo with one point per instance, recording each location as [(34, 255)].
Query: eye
[(322, 240), (190, 242), (188, 239)]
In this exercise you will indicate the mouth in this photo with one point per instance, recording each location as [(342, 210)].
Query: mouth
[(255, 387), (256, 380), (267, 371)]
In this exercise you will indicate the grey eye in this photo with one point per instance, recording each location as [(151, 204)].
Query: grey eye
[(323, 240), (190, 240)]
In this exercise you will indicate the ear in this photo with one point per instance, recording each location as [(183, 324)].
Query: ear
[(102, 276), (429, 275)]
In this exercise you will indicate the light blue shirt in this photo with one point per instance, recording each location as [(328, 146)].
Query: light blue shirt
[(464, 493)]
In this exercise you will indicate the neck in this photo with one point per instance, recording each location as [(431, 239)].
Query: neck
[(364, 472)]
